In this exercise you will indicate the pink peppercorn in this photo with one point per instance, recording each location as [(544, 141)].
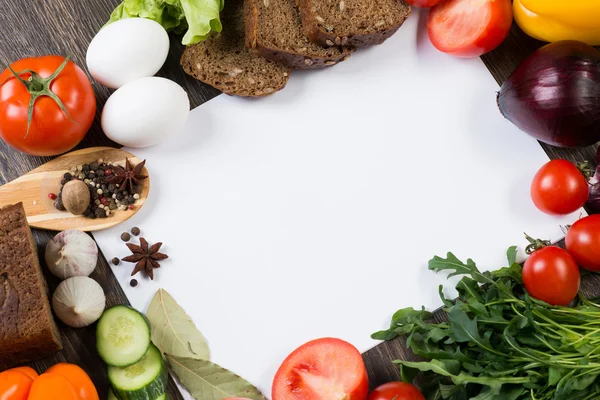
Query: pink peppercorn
[(51, 196), (131, 207), (107, 171)]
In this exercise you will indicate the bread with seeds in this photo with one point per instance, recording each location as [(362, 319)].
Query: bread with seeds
[(274, 28), (224, 62), (355, 23)]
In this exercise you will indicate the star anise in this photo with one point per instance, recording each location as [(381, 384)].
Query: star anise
[(128, 175), (146, 257)]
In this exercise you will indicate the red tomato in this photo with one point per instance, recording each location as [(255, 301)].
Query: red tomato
[(583, 242), (396, 390), (468, 28), (51, 131), (550, 274), (423, 3), (559, 188), (322, 369)]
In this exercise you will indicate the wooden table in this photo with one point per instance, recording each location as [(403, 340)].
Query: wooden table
[(41, 27)]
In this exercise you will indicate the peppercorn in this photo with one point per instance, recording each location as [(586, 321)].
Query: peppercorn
[(86, 168), (131, 207), (94, 165), (63, 181), (58, 204), (135, 231), (100, 213), (99, 172), (52, 196), (133, 283), (91, 175), (112, 206), (125, 236), (116, 261)]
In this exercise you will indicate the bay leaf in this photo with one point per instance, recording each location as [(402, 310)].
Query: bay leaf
[(208, 381), (172, 330)]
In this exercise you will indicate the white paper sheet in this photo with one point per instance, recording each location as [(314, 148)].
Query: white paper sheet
[(313, 212)]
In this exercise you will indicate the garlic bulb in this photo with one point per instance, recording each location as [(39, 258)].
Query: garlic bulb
[(78, 301), (71, 253)]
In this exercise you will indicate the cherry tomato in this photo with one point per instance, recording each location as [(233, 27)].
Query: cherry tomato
[(397, 391), (559, 188), (77, 378), (423, 3), (467, 28), (583, 242), (551, 274), (52, 384), (322, 369), (14, 385), (52, 131)]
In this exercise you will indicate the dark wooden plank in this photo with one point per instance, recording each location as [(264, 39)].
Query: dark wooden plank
[(39, 27)]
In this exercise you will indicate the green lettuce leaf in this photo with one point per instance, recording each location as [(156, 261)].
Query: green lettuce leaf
[(195, 18)]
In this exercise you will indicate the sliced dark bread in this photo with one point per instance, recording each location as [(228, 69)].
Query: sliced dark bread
[(224, 62), (356, 23), (274, 28)]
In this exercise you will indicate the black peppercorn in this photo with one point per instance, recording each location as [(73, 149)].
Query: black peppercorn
[(111, 187), (99, 212), (125, 192), (100, 172), (91, 175), (135, 231), (133, 283), (94, 165), (68, 176), (86, 168), (58, 204), (63, 181), (116, 261), (125, 236)]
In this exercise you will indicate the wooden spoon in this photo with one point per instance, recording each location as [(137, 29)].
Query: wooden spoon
[(33, 188)]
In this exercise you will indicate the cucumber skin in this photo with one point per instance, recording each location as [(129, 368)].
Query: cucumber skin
[(151, 391), (98, 339), (111, 396)]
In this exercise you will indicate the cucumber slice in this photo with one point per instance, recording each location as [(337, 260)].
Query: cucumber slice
[(122, 336), (111, 396), (144, 380)]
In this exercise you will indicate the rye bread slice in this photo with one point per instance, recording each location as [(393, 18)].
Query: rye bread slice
[(27, 328), (224, 62), (274, 28), (356, 23)]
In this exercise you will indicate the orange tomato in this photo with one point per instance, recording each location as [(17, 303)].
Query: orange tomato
[(30, 372), (77, 378), (52, 387), (14, 385)]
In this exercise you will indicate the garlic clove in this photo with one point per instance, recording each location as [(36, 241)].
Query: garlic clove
[(71, 253), (78, 301)]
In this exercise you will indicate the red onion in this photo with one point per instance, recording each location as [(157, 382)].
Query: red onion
[(554, 95)]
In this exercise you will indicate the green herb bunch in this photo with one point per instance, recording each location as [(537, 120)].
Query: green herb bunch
[(500, 343)]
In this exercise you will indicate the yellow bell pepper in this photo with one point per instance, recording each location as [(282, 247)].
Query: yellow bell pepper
[(554, 20)]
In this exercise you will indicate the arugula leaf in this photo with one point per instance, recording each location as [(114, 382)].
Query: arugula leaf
[(452, 263), (384, 335), (511, 255)]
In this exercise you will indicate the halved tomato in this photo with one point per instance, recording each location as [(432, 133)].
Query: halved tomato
[(469, 28), (322, 369)]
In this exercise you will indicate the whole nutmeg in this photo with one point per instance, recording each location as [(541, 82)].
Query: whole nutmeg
[(76, 197)]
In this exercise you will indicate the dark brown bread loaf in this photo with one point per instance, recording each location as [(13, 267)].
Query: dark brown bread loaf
[(356, 23), (274, 28), (27, 329), (224, 62)]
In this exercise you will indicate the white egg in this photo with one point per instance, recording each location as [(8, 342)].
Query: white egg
[(145, 112), (126, 50)]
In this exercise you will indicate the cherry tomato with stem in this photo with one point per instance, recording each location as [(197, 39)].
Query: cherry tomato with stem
[(550, 274), (559, 188), (397, 391)]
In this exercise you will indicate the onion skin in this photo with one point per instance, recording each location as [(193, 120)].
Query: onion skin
[(554, 95)]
